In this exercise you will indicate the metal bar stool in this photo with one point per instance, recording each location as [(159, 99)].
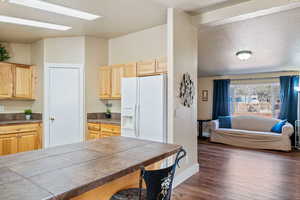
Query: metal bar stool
[(158, 183)]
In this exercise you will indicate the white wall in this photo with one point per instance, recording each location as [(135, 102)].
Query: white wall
[(183, 37), (143, 45), (37, 58), (205, 107), (65, 50), (19, 52), (96, 55)]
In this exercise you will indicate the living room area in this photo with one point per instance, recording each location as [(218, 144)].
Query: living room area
[(248, 94), (248, 97)]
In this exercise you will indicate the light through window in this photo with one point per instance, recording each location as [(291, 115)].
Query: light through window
[(255, 98)]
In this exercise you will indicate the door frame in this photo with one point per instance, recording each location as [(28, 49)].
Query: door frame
[(46, 116)]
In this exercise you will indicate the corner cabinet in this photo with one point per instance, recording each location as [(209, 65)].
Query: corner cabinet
[(110, 81), (6, 80), (105, 82), (24, 82), (116, 81), (17, 81), (20, 138)]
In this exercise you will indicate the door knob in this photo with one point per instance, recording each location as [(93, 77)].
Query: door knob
[(52, 118)]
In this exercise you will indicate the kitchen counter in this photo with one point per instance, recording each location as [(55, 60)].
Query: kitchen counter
[(99, 118), (19, 118), (15, 122), (70, 171), (105, 121)]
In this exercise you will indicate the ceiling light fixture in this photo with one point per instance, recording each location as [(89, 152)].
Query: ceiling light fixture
[(244, 55), (27, 22), (50, 7)]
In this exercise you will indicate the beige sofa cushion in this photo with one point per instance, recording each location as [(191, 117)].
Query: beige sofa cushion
[(252, 123), (248, 134)]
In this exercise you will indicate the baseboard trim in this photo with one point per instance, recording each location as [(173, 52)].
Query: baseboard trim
[(183, 176)]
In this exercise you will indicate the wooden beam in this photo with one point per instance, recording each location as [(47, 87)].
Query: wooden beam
[(243, 11)]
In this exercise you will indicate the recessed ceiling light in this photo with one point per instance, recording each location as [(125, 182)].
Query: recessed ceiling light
[(50, 7), (27, 22), (244, 55)]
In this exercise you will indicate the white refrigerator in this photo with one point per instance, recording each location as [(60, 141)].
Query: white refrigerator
[(144, 108)]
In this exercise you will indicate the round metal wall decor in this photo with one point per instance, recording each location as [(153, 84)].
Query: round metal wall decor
[(187, 90)]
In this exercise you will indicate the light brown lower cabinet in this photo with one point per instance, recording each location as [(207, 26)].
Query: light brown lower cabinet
[(8, 144), (92, 135), (28, 141), (97, 131), (20, 138)]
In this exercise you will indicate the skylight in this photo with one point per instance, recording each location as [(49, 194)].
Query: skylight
[(50, 7), (27, 22)]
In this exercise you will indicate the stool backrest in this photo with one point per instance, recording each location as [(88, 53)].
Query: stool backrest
[(159, 182)]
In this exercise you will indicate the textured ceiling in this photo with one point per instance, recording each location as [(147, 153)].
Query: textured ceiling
[(119, 17), (274, 40), (197, 6)]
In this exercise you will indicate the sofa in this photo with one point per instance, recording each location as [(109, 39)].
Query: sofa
[(253, 132)]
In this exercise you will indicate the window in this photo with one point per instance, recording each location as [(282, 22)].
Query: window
[(255, 98)]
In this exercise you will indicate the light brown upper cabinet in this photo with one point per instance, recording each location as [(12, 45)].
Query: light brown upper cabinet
[(6, 80), (116, 77), (161, 65), (105, 82), (111, 76), (152, 67), (110, 81), (17, 81), (145, 68), (23, 82), (129, 70)]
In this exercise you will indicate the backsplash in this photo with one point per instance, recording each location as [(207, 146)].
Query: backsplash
[(102, 115), (18, 116)]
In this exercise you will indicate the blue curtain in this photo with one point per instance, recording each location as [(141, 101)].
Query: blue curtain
[(289, 99), (221, 101)]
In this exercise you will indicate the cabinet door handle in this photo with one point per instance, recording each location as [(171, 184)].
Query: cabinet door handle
[(52, 118)]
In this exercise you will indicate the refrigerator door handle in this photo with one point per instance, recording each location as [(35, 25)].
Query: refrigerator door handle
[(137, 127)]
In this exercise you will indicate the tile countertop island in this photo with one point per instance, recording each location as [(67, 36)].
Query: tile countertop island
[(78, 171)]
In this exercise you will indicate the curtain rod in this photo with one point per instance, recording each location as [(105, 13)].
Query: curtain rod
[(251, 79), (250, 76)]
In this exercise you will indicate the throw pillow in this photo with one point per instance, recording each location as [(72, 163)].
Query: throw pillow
[(224, 121), (277, 128)]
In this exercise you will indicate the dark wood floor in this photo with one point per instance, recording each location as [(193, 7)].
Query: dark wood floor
[(229, 173)]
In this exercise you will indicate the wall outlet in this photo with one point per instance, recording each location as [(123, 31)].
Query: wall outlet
[(1, 108)]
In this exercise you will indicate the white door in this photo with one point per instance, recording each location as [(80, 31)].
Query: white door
[(64, 106), (152, 108), (129, 110)]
